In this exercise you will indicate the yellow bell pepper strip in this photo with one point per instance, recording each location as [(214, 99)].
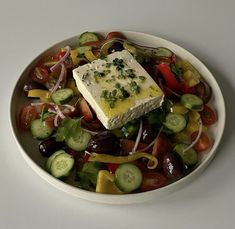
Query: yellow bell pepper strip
[(90, 56), (74, 56), (106, 158), (105, 183), (72, 84), (39, 93), (178, 108), (190, 74)]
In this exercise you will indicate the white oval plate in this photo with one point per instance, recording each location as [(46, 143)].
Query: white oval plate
[(28, 147)]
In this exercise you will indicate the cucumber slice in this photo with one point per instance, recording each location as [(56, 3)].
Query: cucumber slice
[(51, 158), (87, 37), (189, 157), (61, 165), (81, 50), (62, 96), (80, 143), (40, 129), (175, 122), (192, 102), (128, 177)]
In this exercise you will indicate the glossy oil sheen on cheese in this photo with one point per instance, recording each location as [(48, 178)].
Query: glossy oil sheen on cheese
[(103, 75)]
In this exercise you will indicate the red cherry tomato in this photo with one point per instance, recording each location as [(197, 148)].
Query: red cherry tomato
[(85, 110), (40, 75), (85, 157), (50, 121), (114, 34), (152, 180), (161, 147), (112, 167), (27, 115), (204, 143), (208, 116), (203, 91), (58, 56), (186, 89)]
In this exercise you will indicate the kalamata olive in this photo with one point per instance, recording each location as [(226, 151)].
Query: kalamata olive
[(172, 166), (104, 142), (147, 134), (116, 46), (31, 85), (49, 146)]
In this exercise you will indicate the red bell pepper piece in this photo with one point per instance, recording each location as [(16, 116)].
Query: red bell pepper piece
[(171, 81)]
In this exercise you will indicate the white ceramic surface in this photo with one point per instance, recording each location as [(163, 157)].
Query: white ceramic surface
[(28, 148)]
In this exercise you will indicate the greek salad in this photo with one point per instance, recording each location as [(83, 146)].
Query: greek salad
[(154, 148)]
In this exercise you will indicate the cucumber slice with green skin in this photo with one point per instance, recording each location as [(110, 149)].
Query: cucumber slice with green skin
[(80, 143), (192, 102), (175, 122), (61, 165), (81, 50), (87, 37), (189, 157), (51, 158), (62, 96), (128, 177), (40, 129)]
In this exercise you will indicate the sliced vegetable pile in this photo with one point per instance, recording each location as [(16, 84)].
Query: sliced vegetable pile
[(145, 154)]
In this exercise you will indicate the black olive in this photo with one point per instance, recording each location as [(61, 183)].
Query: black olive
[(116, 46), (49, 146), (32, 85), (172, 166), (104, 142), (147, 134)]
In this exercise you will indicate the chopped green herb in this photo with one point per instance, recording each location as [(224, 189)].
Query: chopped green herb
[(109, 97), (176, 70), (104, 93), (142, 78), (125, 93), (130, 73), (118, 85), (118, 63), (68, 128), (135, 87), (108, 65), (99, 74)]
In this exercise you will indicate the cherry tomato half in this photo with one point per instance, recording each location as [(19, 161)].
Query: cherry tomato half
[(85, 110), (208, 116), (114, 34), (50, 121), (27, 115), (161, 147), (204, 142), (203, 91), (40, 75), (152, 180)]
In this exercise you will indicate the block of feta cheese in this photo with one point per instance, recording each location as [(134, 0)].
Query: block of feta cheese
[(118, 88)]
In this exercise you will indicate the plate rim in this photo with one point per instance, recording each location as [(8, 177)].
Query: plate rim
[(134, 197)]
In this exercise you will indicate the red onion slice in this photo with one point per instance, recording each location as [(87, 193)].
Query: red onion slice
[(68, 50), (196, 139), (61, 77), (59, 112), (56, 120), (138, 137), (90, 132), (152, 143), (72, 108)]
